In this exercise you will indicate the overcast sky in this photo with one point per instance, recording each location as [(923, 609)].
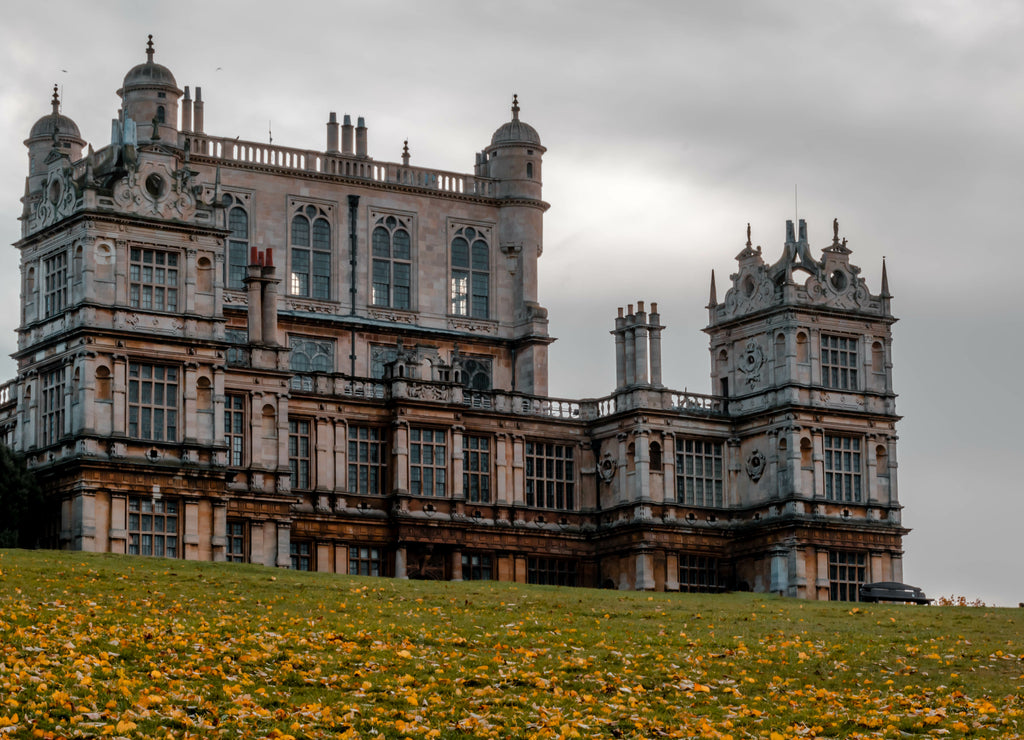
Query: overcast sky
[(669, 125)]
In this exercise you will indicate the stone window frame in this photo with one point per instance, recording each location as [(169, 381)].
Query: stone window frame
[(319, 258), (159, 520), (154, 388), (700, 465), (550, 475), (155, 282), (236, 537), (55, 283), (383, 293), (365, 560), (52, 409), (546, 571), (428, 462), (300, 456), (699, 573), (370, 468), (235, 428), (847, 572), (840, 355), (477, 566), (301, 553), (318, 352), (843, 467), (466, 300), (476, 467)]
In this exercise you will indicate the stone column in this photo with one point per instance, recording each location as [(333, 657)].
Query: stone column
[(870, 488), (518, 470), (257, 547), (642, 464), (219, 534), (456, 561), (644, 571), (630, 341), (284, 545), (253, 274), (456, 464), (118, 533), (190, 536), (502, 468), (400, 457), (400, 563), (269, 304)]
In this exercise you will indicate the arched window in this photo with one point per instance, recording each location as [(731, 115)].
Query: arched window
[(238, 244), (392, 263), (529, 170), (471, 276), (310, 258), (655, 456), (161, 114)]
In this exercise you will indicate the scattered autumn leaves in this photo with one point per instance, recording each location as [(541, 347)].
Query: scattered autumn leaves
[(105, 646)]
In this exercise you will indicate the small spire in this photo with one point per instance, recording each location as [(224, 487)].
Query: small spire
[(405, 153), (713, 299), (748, 236), (55, 102), (885, 280), (515, 107), (149, 49)]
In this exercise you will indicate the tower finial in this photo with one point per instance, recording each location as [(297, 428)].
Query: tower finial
[(55, 102), (713, 298), (885, 280), (405, 153), (149, 49), (748, 233), (515, 107)]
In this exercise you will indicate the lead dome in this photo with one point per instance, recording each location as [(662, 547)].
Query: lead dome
[(515, 131), (148, 74), (64, 126)]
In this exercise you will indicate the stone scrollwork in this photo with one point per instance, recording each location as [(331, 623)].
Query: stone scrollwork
[(154, 189), (756, 462), (606, 468), (751, 362)]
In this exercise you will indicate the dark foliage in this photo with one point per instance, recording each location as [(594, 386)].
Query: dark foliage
[(19, 502)]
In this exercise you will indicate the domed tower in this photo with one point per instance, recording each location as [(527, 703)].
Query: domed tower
[(53, 132), (149, 92), (513, 160)]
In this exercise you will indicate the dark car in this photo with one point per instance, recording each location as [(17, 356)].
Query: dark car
[(892, 591)]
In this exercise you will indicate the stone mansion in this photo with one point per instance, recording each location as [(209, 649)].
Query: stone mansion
[(238, 351)]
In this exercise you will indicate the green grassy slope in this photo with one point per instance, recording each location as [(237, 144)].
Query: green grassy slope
[(99, 645)]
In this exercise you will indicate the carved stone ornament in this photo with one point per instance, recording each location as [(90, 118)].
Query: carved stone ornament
[(751, 362), (756, 462), (606, 468), (60, 197), (154, 189), (475, 326)]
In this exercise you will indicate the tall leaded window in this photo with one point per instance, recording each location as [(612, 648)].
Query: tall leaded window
[(839, 362), (153, 279), (477, 566), (550, 475), (234, 428), (551, 571), (238, 243), (153, 527), (235, 547), (471, 273), (846, 571), (392, 262), (476, 468), (381, 355), (698, 573), (152, 402), (311, 253), (842, 468), (299, 453), (238, 350), (699, 478), (52, 413), (366, 462), (364, 561), (55, 288), (427, 462)]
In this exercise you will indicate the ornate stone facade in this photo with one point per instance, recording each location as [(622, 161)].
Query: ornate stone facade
[(314, 359)]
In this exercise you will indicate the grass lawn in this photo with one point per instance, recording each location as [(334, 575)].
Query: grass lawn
[(101, 645)]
